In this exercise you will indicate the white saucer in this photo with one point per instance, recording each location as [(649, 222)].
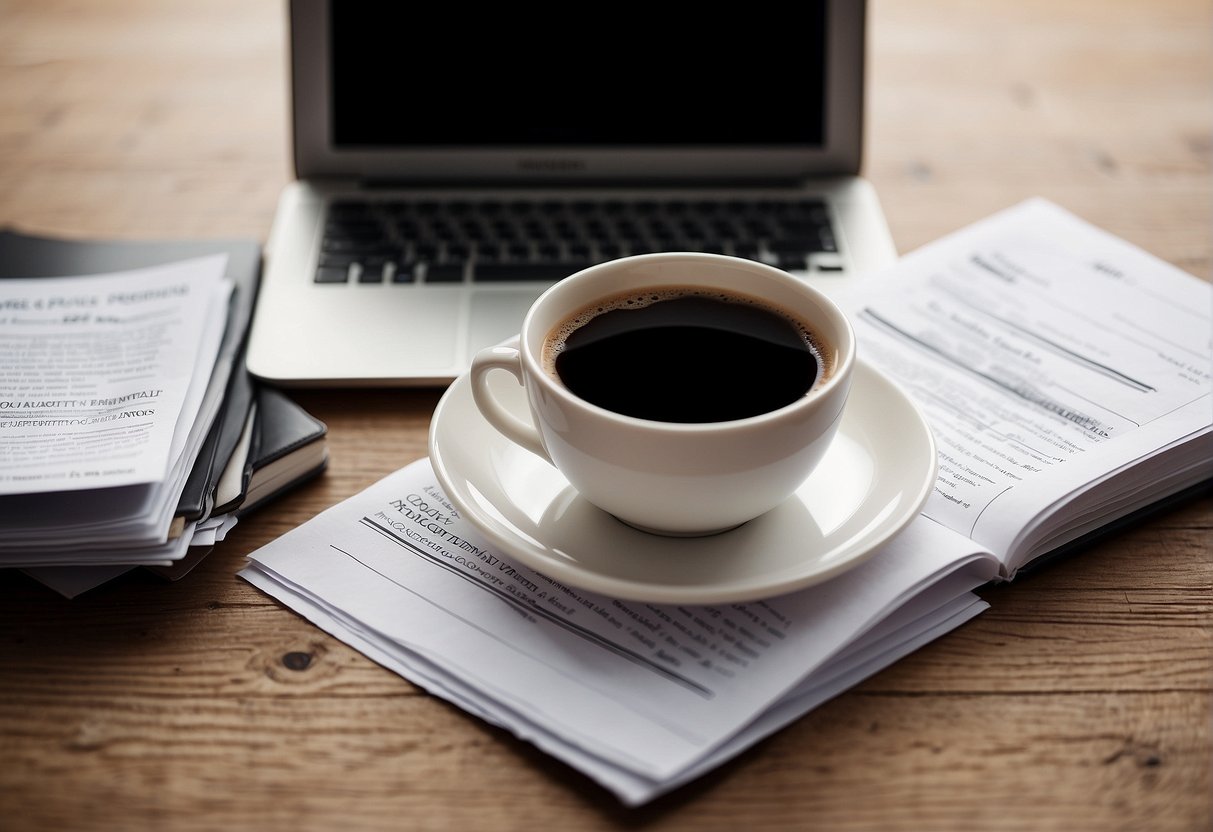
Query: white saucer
[(872, 482)]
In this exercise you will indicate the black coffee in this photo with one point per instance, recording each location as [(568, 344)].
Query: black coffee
[(684, 356)]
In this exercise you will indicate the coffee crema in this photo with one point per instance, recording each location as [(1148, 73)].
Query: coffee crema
[(685, 354)]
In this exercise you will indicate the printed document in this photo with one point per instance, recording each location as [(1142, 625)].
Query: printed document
[(96, 373), (636, 694)]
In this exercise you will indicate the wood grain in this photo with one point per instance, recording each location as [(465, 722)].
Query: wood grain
[(1080, 701)]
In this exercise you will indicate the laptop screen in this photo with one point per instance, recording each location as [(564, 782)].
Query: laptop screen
[(411, 77)]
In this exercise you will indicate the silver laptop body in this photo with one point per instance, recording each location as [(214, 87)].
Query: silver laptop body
[(432, 205)]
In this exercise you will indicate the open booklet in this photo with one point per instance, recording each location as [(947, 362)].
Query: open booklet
[(1066, 377), (1064, 372)]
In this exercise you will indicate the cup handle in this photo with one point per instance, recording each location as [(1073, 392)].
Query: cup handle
[(516, 430)]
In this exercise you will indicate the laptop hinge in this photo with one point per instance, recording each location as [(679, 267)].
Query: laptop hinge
[(600, 184)]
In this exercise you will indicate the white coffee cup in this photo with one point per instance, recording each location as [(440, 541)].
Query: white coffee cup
[(673, 478)]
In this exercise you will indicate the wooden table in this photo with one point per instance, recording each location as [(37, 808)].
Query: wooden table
[(1081, 700)]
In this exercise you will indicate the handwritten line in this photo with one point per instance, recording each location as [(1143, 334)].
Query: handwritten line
[(973, 528)]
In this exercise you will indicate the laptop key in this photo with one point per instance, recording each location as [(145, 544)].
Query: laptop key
[(799, 245), (545, 271), (792, 261), (371, 272), (444, 273), (405, 272), (368, 247), (488, 252), (803, 228), (332, 274)]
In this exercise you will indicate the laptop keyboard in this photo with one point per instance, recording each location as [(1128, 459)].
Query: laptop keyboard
[(493, 241)]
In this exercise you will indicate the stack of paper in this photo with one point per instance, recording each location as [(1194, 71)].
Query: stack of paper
[(123, 399), (103, 408)]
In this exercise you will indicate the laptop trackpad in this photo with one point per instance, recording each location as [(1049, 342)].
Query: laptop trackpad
[(496, 316)]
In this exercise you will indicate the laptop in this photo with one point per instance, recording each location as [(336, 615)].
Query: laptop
[(451, 165)]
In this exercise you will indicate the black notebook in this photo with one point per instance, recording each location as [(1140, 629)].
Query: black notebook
[(285, 446)]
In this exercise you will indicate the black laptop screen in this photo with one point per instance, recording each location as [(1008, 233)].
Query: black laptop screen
[(592, 77)]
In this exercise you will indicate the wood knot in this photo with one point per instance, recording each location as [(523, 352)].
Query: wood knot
[(297, 660), (294, 663), (1144, 755)]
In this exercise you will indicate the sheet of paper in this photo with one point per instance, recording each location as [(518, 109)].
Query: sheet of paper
[(95, 372), (165, 553), (841, 674), (1045, 353), (937, 611), (648, 688), (214, 529)]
